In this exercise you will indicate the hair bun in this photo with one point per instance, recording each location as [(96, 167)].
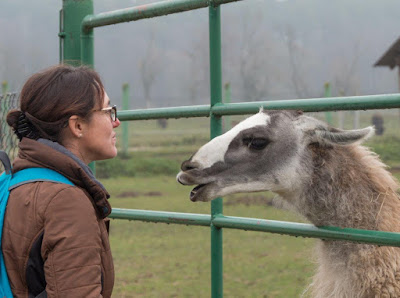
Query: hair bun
[(21, 125), (12, 118)]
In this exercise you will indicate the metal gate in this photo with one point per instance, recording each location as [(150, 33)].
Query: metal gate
[(77, 23)]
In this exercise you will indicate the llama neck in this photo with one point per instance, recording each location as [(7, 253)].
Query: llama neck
[(348, 187)]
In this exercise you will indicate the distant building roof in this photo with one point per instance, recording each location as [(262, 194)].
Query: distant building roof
[(392, 56)]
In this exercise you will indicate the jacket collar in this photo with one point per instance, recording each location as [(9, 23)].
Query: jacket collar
[(47, 154)]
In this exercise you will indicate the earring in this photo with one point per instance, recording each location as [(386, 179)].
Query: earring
[(80, 135)]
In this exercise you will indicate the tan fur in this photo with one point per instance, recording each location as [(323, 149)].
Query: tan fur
[(364, 196)]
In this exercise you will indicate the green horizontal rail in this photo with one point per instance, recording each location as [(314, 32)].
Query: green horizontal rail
[(308, 230), (161, 216), (261, 225), (176, 112), (368, 102), (146, 11)]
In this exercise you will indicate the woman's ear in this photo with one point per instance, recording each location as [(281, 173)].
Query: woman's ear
[(76, 126)]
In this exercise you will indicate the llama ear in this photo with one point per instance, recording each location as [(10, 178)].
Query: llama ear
[(344, 137)]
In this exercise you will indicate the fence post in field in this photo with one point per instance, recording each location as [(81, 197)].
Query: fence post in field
[(215, 130), (125, 124), (227, 99), (4, 87), (356, 120), (4, 90), (328, 93)]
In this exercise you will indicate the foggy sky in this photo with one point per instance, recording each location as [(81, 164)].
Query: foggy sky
[(271, 49)]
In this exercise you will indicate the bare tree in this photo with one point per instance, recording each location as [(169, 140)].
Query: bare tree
[(347, 82), (149, 67), (193, 79), (11, 70), (346, 78), (252, 59), (197, 81), (247, 48), (296, 57)]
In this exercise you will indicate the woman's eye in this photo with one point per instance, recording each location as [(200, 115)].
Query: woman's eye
[(256, 143)]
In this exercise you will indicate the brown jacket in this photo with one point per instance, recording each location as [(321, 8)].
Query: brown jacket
[(55, 237)]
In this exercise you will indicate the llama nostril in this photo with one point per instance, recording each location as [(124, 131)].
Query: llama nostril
[(189, 165)]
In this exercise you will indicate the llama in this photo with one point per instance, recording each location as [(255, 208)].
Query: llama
[(327, 176)]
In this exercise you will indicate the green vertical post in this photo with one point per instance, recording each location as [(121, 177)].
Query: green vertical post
[(87, 47), (87, 50), (227, 99), (4, 87), (125, 124), (77, 44), (328, 115), (215, 130), (72, 14)]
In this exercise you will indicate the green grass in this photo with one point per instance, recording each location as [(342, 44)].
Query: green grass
[(160, 260)]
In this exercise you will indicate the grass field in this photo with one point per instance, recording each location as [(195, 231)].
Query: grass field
[(160, 260)]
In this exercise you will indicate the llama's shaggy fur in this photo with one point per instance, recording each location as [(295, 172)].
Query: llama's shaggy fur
[(350, 187)]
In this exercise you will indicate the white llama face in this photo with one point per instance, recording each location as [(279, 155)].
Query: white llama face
[(260, 153)]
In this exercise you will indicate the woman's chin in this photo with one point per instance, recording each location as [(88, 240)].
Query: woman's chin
[(108, 155), (113, 153)]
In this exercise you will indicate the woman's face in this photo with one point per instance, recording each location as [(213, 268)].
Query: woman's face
[(99, 138)]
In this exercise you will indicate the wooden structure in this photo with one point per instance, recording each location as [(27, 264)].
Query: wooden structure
[(391, 58)]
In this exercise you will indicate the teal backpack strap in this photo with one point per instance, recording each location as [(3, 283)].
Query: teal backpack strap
[(37, 175), (9, 182), (5, 288), (5, 178)]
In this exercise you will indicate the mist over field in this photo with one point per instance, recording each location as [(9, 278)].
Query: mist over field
[(271, 49)]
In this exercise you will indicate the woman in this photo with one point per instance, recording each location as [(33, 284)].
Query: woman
[(55, 240)]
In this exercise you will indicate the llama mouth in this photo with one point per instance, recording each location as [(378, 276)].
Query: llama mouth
[(195, 192)]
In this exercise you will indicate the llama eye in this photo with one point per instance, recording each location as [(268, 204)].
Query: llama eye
[(256, 143)]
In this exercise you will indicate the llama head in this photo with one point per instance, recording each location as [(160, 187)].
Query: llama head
[(267, 151)]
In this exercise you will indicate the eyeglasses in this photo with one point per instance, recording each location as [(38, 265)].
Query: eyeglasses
[(112, 111)]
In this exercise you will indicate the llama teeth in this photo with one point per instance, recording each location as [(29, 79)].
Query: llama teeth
[(194, 192), (192, 196)]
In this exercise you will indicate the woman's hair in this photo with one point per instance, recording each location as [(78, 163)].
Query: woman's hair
[(51, 96)]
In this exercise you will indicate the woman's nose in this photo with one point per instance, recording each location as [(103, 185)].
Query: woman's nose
[(116, 123), (189, 165)]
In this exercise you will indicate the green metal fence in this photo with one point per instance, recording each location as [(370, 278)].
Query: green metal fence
[(77, 23)]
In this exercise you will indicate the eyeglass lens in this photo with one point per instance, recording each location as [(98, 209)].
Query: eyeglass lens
[(113, 113)]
